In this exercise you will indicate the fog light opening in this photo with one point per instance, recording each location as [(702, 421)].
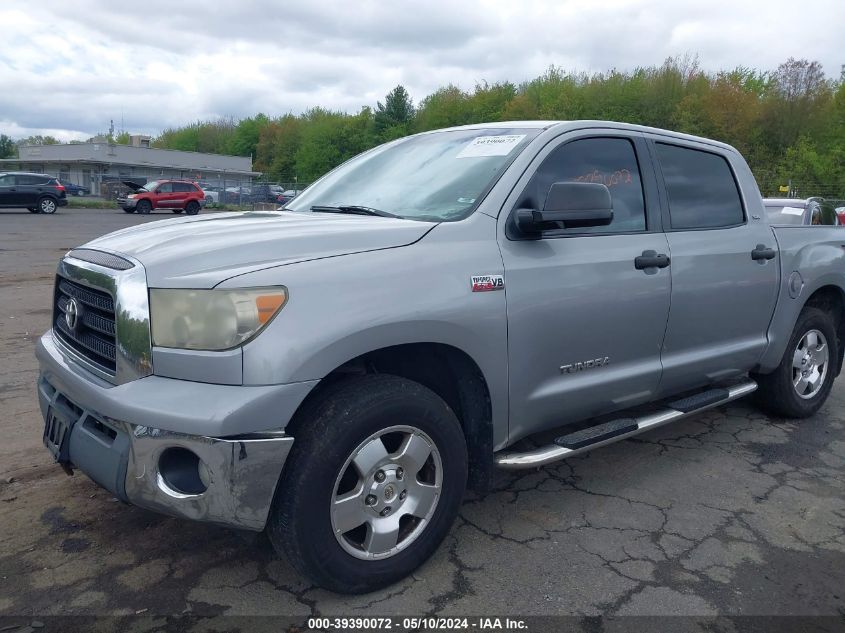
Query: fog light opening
[(180, 470)]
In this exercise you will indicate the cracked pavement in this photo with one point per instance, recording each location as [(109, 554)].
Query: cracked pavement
[(729, 512)]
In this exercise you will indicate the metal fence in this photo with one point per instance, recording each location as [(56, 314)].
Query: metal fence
[(249, 195), (774, 187)]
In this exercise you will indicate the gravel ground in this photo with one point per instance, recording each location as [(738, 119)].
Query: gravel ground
[(729, 513)]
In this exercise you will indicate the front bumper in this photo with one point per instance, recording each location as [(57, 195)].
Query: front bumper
[(127, 203), (118, 436)]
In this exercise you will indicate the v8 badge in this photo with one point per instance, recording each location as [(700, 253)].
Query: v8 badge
[(486, 283)]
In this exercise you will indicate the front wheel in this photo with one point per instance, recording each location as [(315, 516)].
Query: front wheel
[(802, 382), (47, 205), (373, 483), (143, 207)]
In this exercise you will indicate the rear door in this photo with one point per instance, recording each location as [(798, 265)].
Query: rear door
[(180, 193), (30, 187), (725, 271), (585, 326)]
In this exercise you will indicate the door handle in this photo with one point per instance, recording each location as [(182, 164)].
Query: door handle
[(651, 259), (761, 252)]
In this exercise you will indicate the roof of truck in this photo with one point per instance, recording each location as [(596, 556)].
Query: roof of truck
[(584, 124)]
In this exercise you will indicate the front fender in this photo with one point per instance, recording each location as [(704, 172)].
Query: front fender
[(342, 307)]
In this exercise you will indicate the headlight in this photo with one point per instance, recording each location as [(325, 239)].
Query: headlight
[(211, 319), (132, 196)]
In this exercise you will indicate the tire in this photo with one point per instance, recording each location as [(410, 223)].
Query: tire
[(32, 210), (47, 205), (129, 210), (176, 210), (143, 207), (192, 208), (803, 379), (376, 418)]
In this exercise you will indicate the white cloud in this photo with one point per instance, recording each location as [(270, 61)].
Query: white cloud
[(172, 63)]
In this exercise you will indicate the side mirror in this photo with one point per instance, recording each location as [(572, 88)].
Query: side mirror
[(575, 204)]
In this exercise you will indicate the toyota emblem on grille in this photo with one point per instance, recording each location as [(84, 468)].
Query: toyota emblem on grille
[(71, 314)]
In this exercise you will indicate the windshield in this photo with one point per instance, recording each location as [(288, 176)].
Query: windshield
[(150, 185), (432, 177)]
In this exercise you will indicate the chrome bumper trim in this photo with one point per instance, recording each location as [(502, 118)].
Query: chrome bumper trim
[(241, 476)]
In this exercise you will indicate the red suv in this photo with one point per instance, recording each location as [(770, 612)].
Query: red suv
[(175, 195)]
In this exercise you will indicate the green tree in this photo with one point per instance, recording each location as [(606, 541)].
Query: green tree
[(799, 92), (38, 139), (445, 107), (278, 143), (8, 149), (245, 136), (329, 138), (392, 118)]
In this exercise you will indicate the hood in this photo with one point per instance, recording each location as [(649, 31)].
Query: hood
[(134, 186), (201, 252)]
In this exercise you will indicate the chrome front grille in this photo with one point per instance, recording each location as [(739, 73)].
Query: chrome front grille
[(88, 326)]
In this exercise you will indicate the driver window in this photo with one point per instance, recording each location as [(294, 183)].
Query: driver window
[(165, 188), (609, 161)]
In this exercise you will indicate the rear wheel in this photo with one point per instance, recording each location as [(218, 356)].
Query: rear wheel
[(192, 208), (47, 205), (373, 484), (143, 207), (802, 382)]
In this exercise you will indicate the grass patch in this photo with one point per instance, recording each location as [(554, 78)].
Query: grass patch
[(81, 202)]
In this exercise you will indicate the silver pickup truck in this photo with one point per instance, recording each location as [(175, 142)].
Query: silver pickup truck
[(502, 295)]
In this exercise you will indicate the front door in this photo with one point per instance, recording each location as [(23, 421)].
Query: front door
[(8, 191), (585, 325), (164, 196), (723, 297)]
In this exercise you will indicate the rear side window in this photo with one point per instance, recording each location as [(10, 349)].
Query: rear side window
[(701, 187), (789, 214), (609, 161), (184, 186), (32, 180)]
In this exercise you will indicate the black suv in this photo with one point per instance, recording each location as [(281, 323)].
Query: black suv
[(39, 193)]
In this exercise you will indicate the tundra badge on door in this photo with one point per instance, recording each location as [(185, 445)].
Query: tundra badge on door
[(587, 364)]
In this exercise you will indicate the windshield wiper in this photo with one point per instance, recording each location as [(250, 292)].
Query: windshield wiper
[(353, 209)]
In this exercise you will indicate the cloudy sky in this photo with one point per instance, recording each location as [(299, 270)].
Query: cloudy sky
[(68, 67)]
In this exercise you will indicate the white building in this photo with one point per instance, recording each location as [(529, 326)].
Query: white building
[(91, 164)]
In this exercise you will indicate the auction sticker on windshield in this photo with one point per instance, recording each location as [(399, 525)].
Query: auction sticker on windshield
[(491, 146)]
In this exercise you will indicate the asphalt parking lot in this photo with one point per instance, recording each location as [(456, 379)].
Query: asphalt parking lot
[(728, 513)]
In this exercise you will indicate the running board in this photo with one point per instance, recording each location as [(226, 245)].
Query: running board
[(593, 437)]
